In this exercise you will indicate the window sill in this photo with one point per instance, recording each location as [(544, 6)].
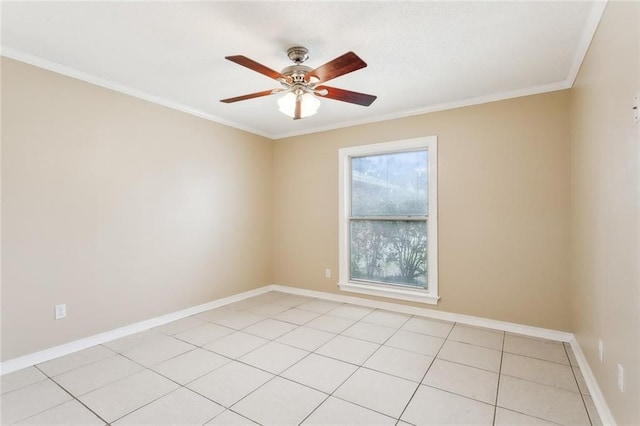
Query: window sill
[(421, 296)]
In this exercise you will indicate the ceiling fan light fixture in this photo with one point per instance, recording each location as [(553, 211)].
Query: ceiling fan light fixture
[(309, 104)]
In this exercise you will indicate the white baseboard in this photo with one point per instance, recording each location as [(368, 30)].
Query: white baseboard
[(598, 399), (543, 333), (19, 363)]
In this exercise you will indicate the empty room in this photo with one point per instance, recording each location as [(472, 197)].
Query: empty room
[(320, 213)]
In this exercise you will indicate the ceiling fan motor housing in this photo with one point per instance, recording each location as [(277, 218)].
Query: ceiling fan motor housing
[(296, 72)]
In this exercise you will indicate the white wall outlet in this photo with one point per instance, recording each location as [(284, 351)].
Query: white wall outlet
[(327, 273), (60, 311), (636, 108), (600, 351), (621, 378)]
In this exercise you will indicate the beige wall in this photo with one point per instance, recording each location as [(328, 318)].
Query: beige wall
[(122, 209), (606, 207), (108, 199), (503, 182)]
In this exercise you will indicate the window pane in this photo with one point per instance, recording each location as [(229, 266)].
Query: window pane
[(389, 251), (389, 184)]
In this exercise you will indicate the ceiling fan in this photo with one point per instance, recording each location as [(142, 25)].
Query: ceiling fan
[(302, 85)]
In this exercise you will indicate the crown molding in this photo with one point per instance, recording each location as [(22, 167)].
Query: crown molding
[(58, 68)]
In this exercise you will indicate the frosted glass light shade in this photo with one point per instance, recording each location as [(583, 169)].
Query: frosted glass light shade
[(309, 105)]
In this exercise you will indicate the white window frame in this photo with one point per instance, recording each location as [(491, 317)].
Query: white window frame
[(428, 295)]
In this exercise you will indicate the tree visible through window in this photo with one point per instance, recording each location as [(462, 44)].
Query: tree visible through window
[(388, 219), (389, 205)]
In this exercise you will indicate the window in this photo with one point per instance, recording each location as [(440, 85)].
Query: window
[(388, 219)]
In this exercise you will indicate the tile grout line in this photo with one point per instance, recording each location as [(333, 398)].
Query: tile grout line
[(132, 374), (358, 366), (267, 341), (495, 405), (426, 372), (539, 383), (194, 391), (275, 375), (194, 316), (116, 353), (137, 372), (71, 395), (261, 369), (316, 408), (146, 404)]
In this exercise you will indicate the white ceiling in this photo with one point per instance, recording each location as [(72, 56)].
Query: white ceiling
[(421, 56)]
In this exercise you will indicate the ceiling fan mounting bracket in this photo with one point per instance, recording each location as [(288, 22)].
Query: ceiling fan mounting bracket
[(298, 54)]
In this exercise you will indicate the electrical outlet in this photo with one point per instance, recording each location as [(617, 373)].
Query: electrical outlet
[(636, 108), (621, 378), (60, 311), (601, 350), (327, 273)]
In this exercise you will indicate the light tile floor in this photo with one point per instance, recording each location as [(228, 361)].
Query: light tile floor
[(278, 359)]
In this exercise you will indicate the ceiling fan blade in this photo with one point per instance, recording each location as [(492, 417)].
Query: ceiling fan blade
[(346, 95), (249, 96), (341, 65), (298, 111), (255, 66)]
